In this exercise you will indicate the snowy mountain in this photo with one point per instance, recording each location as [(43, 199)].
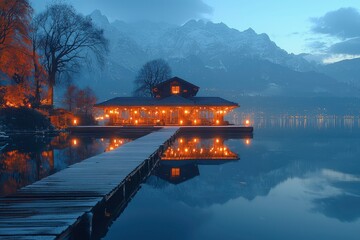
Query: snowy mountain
[(211, 55)]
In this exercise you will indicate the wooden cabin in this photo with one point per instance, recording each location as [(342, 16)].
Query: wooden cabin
[(175, 103)]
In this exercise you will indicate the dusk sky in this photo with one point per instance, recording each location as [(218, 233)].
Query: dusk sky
[(328, 28)]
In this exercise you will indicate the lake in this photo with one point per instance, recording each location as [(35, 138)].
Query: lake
[(28, 159), (297, 178)]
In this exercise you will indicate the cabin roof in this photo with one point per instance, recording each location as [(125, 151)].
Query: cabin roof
[(168, 101), (177, 79)]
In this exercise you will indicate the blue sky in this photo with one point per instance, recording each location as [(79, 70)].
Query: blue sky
[(295, 25)]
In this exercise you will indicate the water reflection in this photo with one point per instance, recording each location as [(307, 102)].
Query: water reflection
[(314, 121), (30, 158), (180, 161), (307, 183), (196, 148)]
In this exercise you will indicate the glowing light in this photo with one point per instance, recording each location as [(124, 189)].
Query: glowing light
[(175, 89), (135, 112), (195, 140), (107, 115), (217, 140), (181, 122), (247, 122), (195, 121), (75, 122), (186, 112), (181, 140), (175, 172), (163, 111), (247, 141), (217, 122), (186, 150), (136, 121), (75, 142), (111, 111)]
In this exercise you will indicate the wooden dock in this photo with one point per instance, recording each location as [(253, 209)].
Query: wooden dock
[(68, 201)]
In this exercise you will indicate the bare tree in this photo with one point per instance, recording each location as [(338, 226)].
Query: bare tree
[(65, 40), (70, 96), (84, 102), (151, 74)]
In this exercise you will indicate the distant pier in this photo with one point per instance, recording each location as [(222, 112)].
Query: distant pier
[(69, 202)]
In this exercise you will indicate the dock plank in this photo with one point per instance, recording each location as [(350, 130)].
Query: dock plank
[(49, 207)]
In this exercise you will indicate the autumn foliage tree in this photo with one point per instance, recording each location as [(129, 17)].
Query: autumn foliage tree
[(15, 17), (15, 56), (64, 40)]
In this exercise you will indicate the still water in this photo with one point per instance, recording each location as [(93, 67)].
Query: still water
[(27, 159), (292, 180)]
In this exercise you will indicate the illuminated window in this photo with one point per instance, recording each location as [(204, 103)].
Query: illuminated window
[(175, 172), (175, 89)]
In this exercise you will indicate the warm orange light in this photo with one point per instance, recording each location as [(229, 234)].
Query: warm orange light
[(195, 140), (217, 140), (247, 122), (186, 112), (186, 150), (136, 121), (181, 122), (75, 142), (111, 111), (195, 121), (181, 140), (175, 89), (163, 111), (75, 122), (107, 115), (247, 141), (175, 172), (135, 112), (217, 122)]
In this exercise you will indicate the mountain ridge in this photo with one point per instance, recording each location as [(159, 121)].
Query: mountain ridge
[(209, 54)]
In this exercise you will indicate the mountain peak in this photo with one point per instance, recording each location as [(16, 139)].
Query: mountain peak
[(250, 31), (194, 23), (99, 18)]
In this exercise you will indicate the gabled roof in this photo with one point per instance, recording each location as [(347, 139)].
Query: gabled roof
[(175, 100), (180, 80), (212, 101), (168, 101), (128, 101)]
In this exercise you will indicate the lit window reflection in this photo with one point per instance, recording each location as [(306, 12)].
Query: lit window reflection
[(196, 148)]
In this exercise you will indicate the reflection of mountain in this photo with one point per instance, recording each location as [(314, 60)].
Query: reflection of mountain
[(176, 174), (346, 208), (343, 201), (271, 159)]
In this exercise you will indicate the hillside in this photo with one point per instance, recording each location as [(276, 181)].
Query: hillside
[(211, 55)]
